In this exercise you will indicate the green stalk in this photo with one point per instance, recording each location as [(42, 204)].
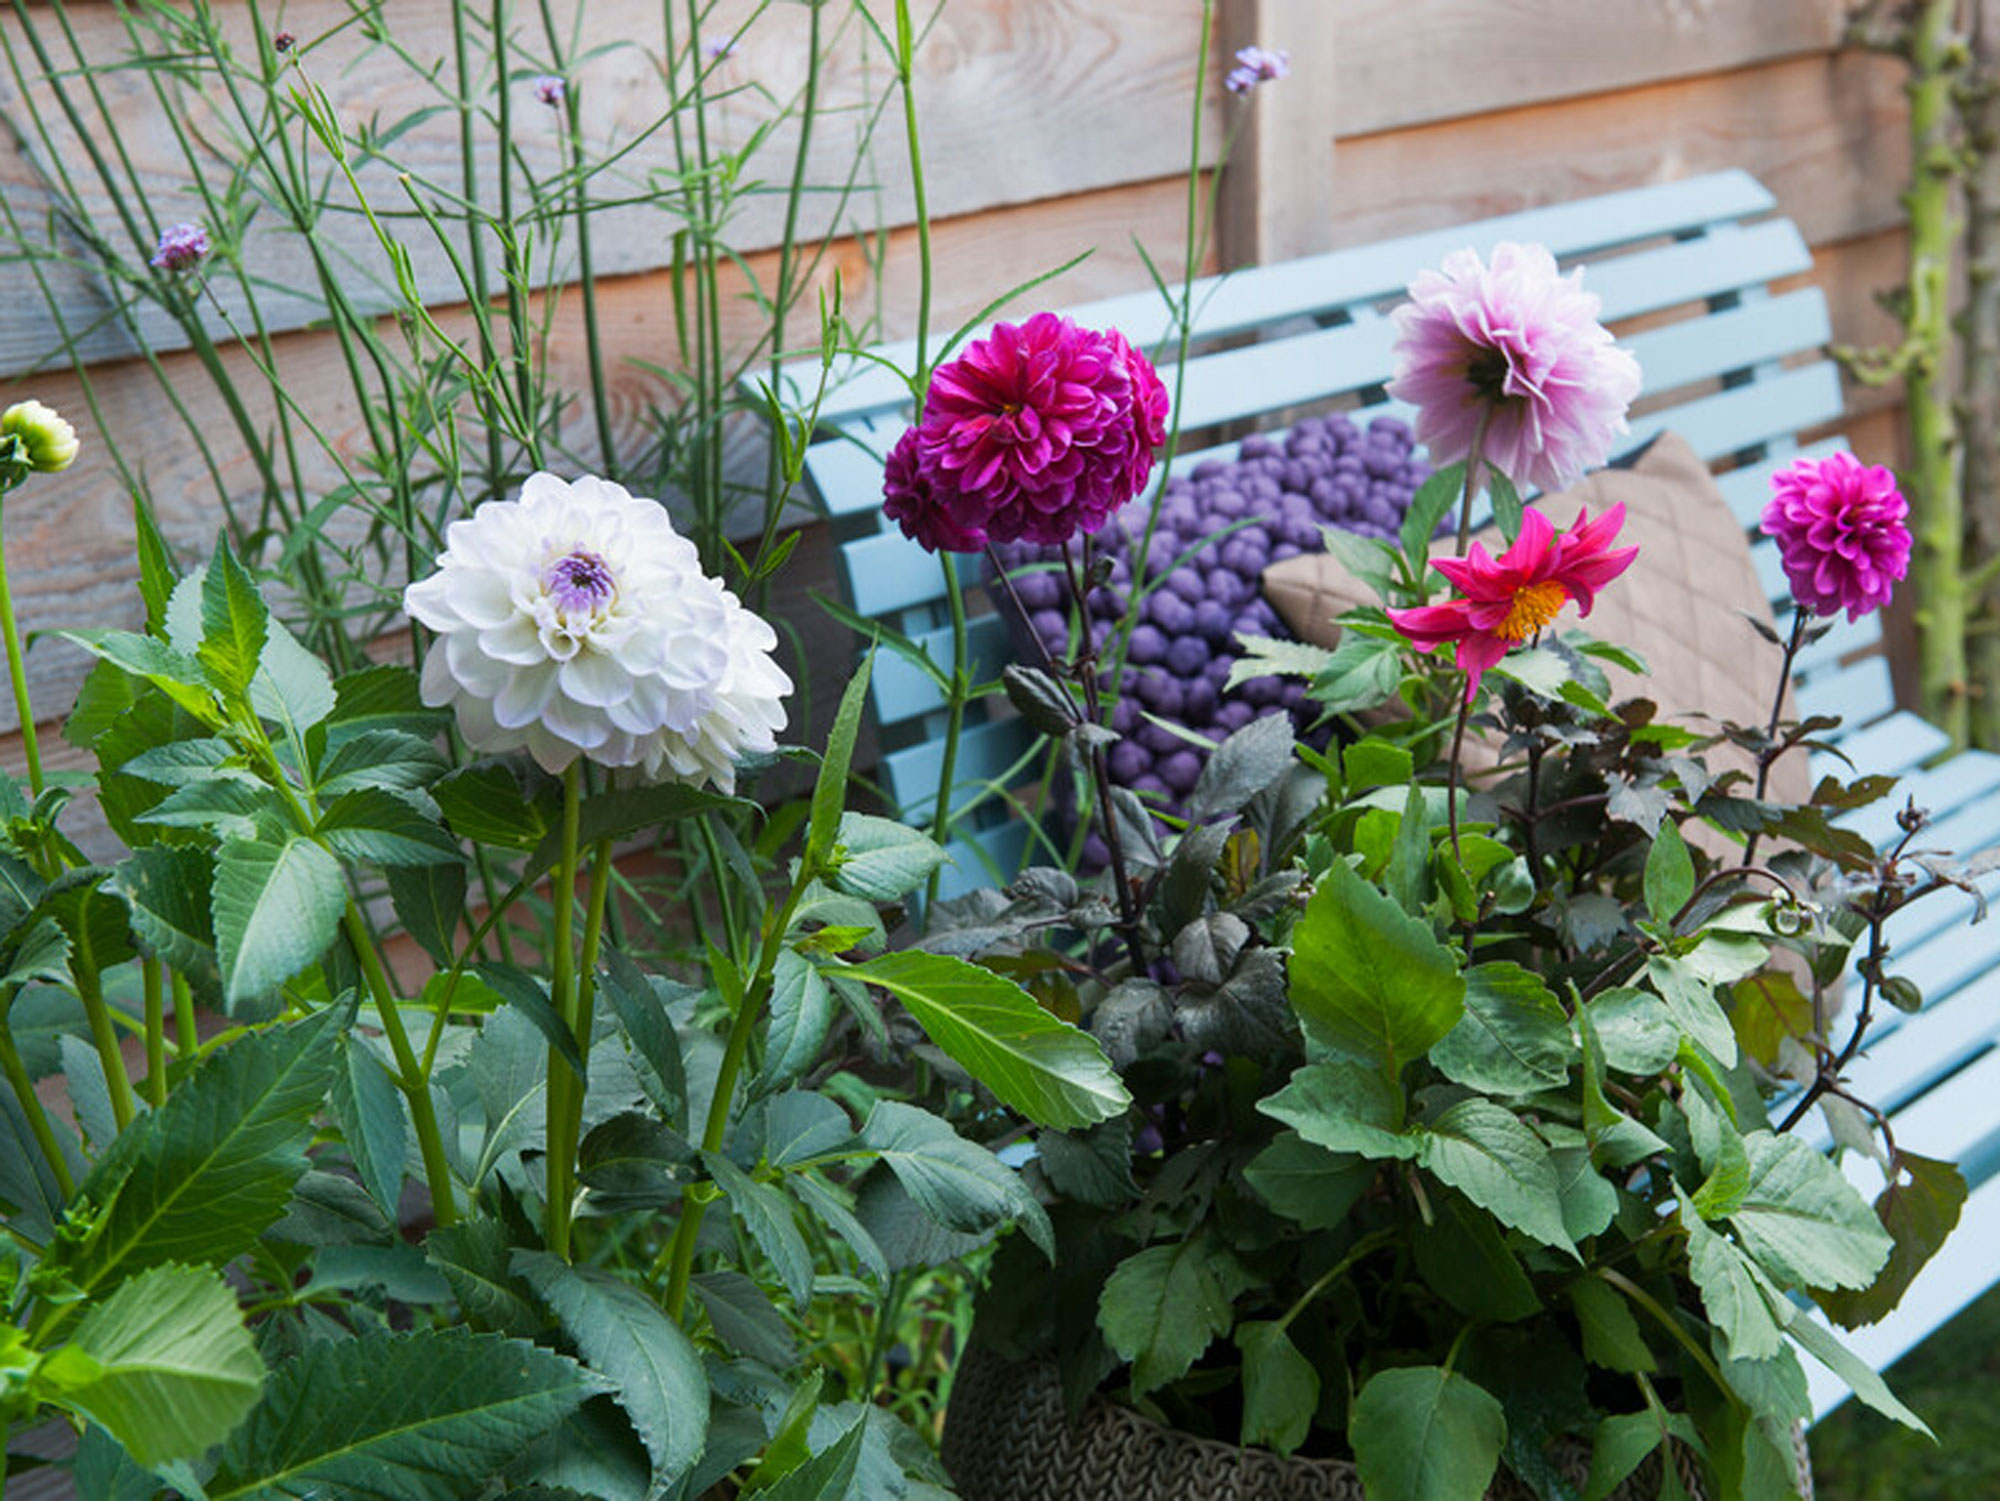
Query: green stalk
[(187, 1036), (90, 990), (679, 1252), (17, 668), (564, 1097), (1936, 586), (437, 1168), (154, 981), (31, 1107)]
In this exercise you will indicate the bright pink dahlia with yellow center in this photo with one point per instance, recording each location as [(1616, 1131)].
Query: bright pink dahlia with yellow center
[(1037, 432), (1511, 599), (1515, 346), (1841, 533)]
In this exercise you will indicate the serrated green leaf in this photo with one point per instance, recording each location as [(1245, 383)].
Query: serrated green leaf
[(1345, 1107), (1732, 1290), (830, 788), (378, 827), (430, 904), (484, 803), (224, 808), (178, 676), (198, 1179), (235, 623), (882, 859), (1368, 978), (388, 759), (1435, 499), (624, 1336), (164, 1365), (1161, 1307), (801, 1010), (292, 687), (1636, 1031), (166, 889), (526, 993), (1514, 1037), (1919, 1209), (1802, 1219), (1486, 1154), (473, 1258), (369, 1110), (1307, 1184), (1280, 1387), (1043, 1067), (1611, 1334), (1420, 1433), (428, 1416), (276, 909), (767, 1214), (1669, 873), (1862, 1379), (961, 1186)]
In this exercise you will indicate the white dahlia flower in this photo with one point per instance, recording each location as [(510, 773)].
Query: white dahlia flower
[(577, 621)]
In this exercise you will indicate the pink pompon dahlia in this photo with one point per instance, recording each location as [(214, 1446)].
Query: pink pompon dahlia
[(1841, 533), (1515, 346), (1037, 432), (1510, 599)]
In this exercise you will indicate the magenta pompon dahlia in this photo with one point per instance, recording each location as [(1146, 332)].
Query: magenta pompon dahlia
[(1841, 533), (1510, 599), (1516, 345), (1037, 432)]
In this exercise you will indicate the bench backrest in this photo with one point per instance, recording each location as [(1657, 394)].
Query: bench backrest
[(1732, 362)]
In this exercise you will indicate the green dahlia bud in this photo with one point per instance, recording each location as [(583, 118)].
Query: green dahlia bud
[(50, 442)]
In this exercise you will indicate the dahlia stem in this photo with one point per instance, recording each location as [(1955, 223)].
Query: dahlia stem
[(1768, 756), (1451, 775), (31, 1107), (153, 981), (1473, 458), (954, 728), (563, 1084)]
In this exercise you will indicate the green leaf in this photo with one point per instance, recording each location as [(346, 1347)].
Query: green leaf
[(1692, 1003), (1043, 1067), (1246, 763), (1368, 978), (525, 992), (802, 1009), (235, 623), (745, 1320), (430, 904), (415, 1417), (473, 1256), (226, 809), (1719, 1147), (959, 1185), (166, 887), (882, 859), (829, 1475), (1514, 1038), (1919, 1209), (1307, 1184), (1424, 1434), (1611, 1334), (369, 1109), (484, 803), (1589, 1203), (158, 572), (276, 909), (292, 687), (1803, 1221), (381, 828), (173, 673), (1486, 1154), (1280, 1387), (1345, 1107), (198, 1179), (1163, 1306), (1862, 1379), (1506, 503), (1732, 1290), (1371, 561), (649, 1032), (1636, 1030), (1669, 874), (830, 788), (768, 1215), (164, 1365), (1619, 1446), (1435, 499), (623, 1335), (389, 759), (384, 697)]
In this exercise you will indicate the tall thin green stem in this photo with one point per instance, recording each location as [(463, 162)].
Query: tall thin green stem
[(564, 1096), (17, 667), (31, 1107), (153, 981)]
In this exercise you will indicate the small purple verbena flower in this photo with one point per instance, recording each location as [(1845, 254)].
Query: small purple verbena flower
[(1841, 533), (283, 42), (182, 247), (551, 90), (720, 48), (1255, 65)]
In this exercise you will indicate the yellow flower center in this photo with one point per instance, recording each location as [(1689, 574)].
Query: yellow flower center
[(1534, 606)]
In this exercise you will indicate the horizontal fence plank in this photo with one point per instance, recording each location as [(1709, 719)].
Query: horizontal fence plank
[(1500, 53)]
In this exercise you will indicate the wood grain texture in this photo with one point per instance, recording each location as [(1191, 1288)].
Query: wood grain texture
[(1018, 102), (1403, 63), (1826, 134)]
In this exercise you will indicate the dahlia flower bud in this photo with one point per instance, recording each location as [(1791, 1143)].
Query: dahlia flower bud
[(47, 442), (1513, 350), (1037, 432), (1841, 533), (575, 621), (182, 247)]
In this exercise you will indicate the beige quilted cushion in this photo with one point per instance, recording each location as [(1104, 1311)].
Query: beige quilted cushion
[(1677, 606)]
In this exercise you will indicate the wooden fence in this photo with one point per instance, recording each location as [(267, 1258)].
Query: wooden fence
[(1050, 127)]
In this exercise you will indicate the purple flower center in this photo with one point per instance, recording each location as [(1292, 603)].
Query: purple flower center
[(580, 582)]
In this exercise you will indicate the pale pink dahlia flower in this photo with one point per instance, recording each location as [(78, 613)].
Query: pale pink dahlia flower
[(575, 621), (1035, 433), (1841, 533), (1519, 345)]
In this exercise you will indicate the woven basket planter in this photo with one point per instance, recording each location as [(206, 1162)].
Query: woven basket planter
[(1007, 1438)]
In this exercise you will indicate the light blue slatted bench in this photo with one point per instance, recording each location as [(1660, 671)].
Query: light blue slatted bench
[(1733, 365)]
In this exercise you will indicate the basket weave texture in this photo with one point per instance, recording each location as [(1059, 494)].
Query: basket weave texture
[(1007, 1438)]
